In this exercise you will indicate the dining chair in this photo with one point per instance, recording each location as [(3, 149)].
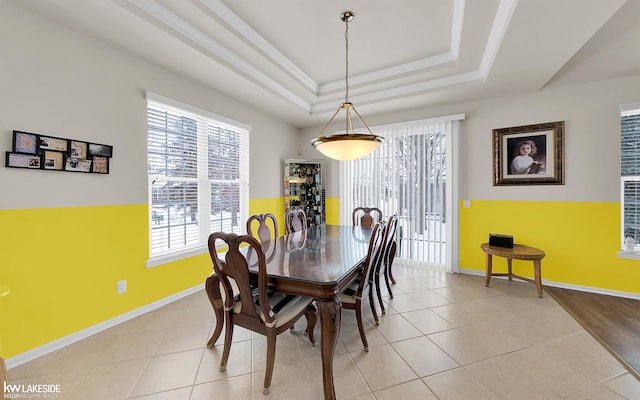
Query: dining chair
[(295, 220), (366, 216), (351, 298), (251, 305), (388, 252)]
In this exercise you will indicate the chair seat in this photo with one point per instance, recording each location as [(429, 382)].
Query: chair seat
[(286, 306), (349, 294)]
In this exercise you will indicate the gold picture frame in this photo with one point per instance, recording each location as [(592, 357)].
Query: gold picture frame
[(529, 155)]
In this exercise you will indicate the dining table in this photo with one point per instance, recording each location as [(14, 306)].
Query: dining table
[(320, 262)]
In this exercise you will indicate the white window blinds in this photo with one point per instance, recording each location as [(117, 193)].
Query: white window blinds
[(198, 167), (630, 171), (414, 176)]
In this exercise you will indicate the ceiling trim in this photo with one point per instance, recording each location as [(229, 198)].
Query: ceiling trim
[(260, 43), (181, 26), (503, 16), (414, 66), (498, 30)]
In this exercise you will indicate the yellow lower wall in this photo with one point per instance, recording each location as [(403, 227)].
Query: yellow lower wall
[(333, 210), (580, 240), (62, 264)]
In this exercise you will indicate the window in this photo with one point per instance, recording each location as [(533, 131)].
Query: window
[(198, 166), (630, 171), (412, 174)]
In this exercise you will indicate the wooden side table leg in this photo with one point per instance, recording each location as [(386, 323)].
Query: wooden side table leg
[(537, 266), (489, 268), (509, 268)]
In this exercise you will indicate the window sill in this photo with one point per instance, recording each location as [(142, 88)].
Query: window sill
[(631, 255), (167, 258)]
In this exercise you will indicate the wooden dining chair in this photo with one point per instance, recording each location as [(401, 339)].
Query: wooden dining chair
[(250, 305), (366, 216), (295, 220), (351, 298), (383, 267)]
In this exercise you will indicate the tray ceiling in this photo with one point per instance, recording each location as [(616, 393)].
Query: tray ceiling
[(287, 57)]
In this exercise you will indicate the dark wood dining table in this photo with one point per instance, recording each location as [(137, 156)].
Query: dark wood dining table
[(320, 262)]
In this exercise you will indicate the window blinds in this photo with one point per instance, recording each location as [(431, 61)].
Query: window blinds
[(630, 172), (198, 176), (408, 175)]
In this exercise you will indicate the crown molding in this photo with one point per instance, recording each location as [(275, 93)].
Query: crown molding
[(160, 13), (503, 16)]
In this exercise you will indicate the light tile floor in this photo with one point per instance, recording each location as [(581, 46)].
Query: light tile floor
[(444, 336)]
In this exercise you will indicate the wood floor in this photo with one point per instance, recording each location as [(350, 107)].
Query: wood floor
[(613, 321)]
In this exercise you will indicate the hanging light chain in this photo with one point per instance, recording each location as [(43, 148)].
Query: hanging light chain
[(346, 75), (350, 145)]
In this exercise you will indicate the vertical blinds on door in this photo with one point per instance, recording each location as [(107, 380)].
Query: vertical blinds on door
[(409, 176)]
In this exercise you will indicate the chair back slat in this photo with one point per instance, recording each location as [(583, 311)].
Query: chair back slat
[(295, 220), (366, 216), (267, 227), (266, 232)]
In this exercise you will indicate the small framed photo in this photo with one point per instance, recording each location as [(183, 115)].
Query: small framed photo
[(20, 160), (101, 150), (53, 160), (53, 143), (24, 142), (77, 165), (78, 149), (529, 155), (100, 165)]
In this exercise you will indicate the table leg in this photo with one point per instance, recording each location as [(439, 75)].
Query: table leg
[(537, 265), (330, 318), (489, 268), (212, 287), (509, 269)]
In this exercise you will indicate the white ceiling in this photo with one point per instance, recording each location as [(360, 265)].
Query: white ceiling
[(287, 57)]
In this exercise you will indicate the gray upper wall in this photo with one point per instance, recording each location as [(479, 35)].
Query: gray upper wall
[(56, 82), (591, 112), (59, 83)]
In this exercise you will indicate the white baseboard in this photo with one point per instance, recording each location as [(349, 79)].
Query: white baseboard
[(561, 285), (92, 330)]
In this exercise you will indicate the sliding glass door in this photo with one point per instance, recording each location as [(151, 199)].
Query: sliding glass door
[(414, 175)]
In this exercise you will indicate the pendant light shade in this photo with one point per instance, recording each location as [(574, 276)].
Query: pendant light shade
[(349, 145)]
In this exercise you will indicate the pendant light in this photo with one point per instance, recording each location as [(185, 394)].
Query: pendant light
[(349, 145)]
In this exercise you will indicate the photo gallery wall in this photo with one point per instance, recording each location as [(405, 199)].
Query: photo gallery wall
[(35, 151)]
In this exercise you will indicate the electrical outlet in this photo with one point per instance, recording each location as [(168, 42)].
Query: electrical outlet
[(466, 203), (121, 286)]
